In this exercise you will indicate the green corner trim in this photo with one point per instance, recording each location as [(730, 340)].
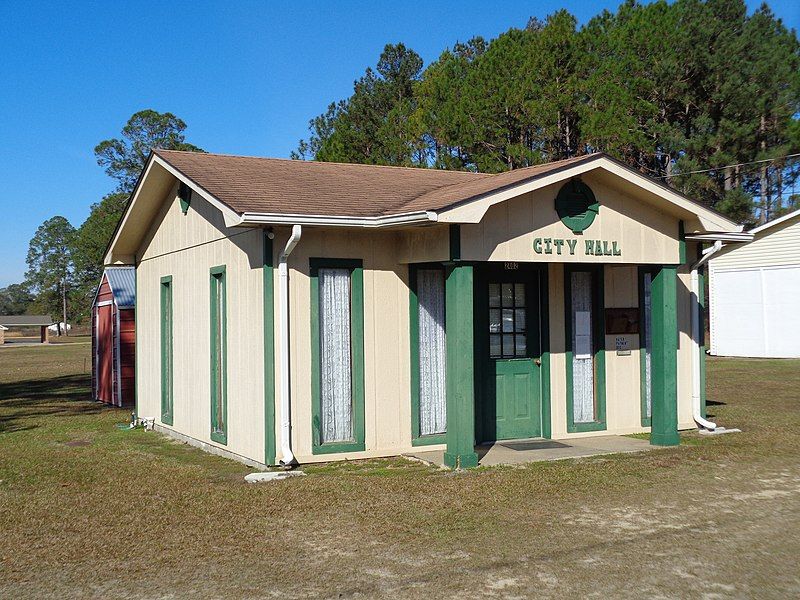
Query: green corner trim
[(460, 325), (413, 319), (356, 358), (598, 342), (664, 377), (269, 350), (544, 334), (219, 423), (455, 242), (167, 350)]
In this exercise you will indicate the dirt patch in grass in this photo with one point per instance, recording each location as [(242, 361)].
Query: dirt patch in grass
[(135, 515)]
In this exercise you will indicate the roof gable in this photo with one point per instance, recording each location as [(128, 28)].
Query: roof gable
[(253, 191)]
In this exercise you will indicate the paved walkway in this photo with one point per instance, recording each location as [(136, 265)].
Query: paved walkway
[(514, 452)]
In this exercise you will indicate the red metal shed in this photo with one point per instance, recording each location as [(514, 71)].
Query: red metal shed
[(114, 337)]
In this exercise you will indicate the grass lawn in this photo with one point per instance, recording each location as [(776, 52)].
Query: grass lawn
[(88, 510)]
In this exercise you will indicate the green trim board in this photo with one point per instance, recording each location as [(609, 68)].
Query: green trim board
[(218, 354), (681, 243), (598, 343), (460, 326), (269, 348), (643, 325), (455, 241), (356, 356), (413, 319), (167, 350), (664, 429), (544, 334)]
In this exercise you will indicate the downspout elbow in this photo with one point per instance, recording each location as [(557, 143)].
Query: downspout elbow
[(287, 456)]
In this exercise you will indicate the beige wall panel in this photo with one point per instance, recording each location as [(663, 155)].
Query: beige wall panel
[(778, 245), (186, 247), (623, 373), (386, 339), (423, 244), (644, 234)]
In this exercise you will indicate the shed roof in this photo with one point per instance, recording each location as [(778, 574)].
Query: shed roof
[(26, 320), (122, 281)]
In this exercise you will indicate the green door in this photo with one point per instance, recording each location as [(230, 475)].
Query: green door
[(511, 406)]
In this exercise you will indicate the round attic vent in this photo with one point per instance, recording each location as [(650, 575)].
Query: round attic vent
[(576, 205)]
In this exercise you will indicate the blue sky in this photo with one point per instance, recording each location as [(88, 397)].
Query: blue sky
[(245, 76)]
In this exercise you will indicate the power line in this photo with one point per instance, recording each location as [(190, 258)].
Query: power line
[(754, 162)]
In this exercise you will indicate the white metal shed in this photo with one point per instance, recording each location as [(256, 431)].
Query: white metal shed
[(754, 293)]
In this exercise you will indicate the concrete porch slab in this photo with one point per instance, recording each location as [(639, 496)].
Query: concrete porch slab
[(515, 452)]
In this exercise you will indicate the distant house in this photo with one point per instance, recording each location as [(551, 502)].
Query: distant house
[(305, 311), (3, 330), (29, 321), (114, 337), (754, 293)]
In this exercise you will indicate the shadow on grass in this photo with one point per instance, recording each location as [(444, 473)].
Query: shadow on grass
[(66, 396)]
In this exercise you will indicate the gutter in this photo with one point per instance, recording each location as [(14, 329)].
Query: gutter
[(287, 456), (412, 218), (696, 333)]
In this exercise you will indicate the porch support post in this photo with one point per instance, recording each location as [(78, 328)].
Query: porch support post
[(459, 324), (664, 430)]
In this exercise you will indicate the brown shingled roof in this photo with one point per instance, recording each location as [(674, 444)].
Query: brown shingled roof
[(280, 186)]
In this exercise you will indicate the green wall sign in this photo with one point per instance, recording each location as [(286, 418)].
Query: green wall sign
[(560, 246), (576, 205)]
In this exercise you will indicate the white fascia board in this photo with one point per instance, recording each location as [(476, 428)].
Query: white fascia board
[(121, 228), (232, 218), (778, 221), (474, 210), (255, 219)]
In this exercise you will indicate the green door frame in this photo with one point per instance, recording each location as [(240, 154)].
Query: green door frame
[(483, 272)]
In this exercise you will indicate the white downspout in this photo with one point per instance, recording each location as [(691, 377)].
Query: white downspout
[(696, 334), (287, 457)]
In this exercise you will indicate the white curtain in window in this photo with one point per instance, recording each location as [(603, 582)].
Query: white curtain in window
[(335, 372), (648, 341), (582, 348), (432, 352)]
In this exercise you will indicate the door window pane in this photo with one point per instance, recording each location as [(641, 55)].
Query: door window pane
[(508, 321), (508, 294), (494, 294)]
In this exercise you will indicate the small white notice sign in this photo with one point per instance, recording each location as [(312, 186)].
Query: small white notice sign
[(623, 349)]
